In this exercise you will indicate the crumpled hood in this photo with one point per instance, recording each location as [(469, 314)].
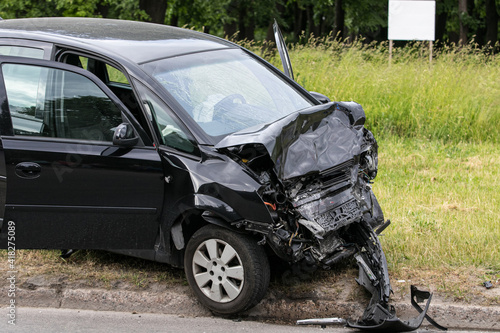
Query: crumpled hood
[(310, 140)]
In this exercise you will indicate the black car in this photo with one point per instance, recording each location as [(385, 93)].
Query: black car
[(183, 148)]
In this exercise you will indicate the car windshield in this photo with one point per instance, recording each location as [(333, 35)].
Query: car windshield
[(225, 91)]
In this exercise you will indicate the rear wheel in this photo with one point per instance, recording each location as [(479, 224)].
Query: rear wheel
[(228, 272)]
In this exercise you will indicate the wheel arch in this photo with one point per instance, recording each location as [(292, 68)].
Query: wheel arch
[(188, 215), (195, 213)]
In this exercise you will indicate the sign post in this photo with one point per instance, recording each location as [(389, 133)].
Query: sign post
[(412, 20)]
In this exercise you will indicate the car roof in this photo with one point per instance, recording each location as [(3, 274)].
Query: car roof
[(140, 42)]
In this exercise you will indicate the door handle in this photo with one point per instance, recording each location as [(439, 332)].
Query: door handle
[(29, 170)]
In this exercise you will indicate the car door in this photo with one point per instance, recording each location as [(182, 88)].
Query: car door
[(20, 48), (68, 185)]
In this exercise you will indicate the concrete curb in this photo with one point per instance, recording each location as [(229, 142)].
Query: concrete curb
[(276, 306)]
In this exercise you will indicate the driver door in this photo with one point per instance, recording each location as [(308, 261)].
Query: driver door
[(68, 185)]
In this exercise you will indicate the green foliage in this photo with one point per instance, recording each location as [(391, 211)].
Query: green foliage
[(200, 13), (27, 8), (124, 9), (364, 18), (81, 8)]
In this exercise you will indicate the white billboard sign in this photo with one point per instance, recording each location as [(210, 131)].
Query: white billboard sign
[(412, 19)]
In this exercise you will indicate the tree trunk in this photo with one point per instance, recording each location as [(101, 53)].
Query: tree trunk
[(270, 32), (298, 22), (155, 9), (246, 21), (338, 30), (492, 18), (250, 28), (102, 10), (462, 12), (230, 29), (441, 19), (232, 11), (174, 20), (310, 20)]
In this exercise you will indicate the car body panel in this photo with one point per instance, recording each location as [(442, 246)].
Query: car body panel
[(127, 201), (310, 140), (208, 184), (127, 38)]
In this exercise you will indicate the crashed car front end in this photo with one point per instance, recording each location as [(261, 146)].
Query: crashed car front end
[(295, 174), (317, 167)]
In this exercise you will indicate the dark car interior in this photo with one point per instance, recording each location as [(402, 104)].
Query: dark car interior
[(114, 79)]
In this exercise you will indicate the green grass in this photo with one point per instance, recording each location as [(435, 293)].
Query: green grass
[(455, 99), (94, 268), (443, 200)]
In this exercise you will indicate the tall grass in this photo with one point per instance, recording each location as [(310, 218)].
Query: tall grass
[(456, 98), (438, 127)]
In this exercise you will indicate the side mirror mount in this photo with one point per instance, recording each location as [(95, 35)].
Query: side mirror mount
[(320, 97), (124, 136)]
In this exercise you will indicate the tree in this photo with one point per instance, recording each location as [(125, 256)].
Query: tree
[(462, 14), (442, 11), (456, 20), (339, 19), (492, 18), (28, 8), (156, 10), (367, 18)]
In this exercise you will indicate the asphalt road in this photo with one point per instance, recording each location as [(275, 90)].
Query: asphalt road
[(41, 320)]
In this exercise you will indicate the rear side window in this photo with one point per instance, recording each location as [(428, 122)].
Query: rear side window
[(21, 51), (56, 103), (115, 75)]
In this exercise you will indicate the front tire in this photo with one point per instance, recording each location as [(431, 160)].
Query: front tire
[(228, 272)]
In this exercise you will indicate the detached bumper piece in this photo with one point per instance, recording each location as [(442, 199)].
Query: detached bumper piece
[(379, 316), (379, 319), (322, 321), (382, 320)]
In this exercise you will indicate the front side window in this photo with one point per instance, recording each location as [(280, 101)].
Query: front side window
[(225, 91), (170, 131), (115, 79), (57, 103)]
